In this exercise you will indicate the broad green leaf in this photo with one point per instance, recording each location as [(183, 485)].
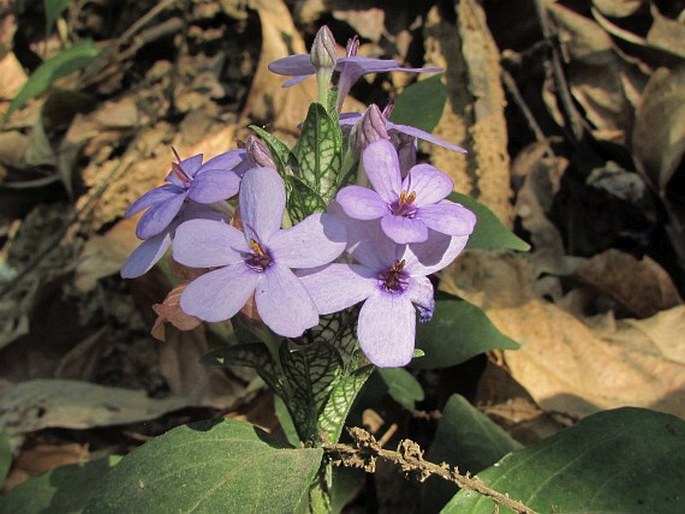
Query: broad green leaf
[(78, 56), (457, 332), (319, 153), (225, 466), (347, 482), (421, 104), (402, 386), (310, 370), (625, 460), (286, 421), (65, 489), (490, 233), (53, 8), (342, 396), (465, 438), (5, 454), (250, 355)]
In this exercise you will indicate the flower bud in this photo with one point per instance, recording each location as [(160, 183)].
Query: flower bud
[(324, 54), (370, 128), (258, 152)]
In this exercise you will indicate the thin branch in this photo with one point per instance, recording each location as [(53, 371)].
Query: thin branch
[(409, 457)]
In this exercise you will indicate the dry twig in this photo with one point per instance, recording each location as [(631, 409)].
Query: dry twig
[(409, 457)]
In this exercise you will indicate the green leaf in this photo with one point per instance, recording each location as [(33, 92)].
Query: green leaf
[(250, 355), (286, 421), (465, 438), (228, 466), (310, 370), (319, 153), (618, 461), (347, 482), (64, 489), (402, 386), (421, 104), (5, 454), (458, 331), (53, 8), (490, 233), (72, 59)]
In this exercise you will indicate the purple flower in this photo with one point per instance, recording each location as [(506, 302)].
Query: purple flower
[(391, 280), (349, 120), (151, 250), (407, 208), (259, 260), (217, 179), (351, 68)]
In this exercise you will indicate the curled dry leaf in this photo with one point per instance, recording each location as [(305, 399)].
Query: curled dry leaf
[(169, 311), (563, 363), (648, 290), (618, 8), (42, 458), (475, 99)]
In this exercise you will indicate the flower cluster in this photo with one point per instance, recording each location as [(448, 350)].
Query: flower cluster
[(374, 245)]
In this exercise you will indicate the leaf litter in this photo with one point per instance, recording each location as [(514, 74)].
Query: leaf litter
[(589, 173)]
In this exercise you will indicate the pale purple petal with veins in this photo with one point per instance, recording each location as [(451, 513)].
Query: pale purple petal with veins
[(158, 194), (214, 186), (262, 203), (316, 240), (219, 294), (426, 136), (146, 255), (283, 302), (438, 251), (429, 183), (300, 64), (386, 330), (225, 161), (404, 230), (448, 218), (420, 293), (382, 166), (338, 286), (208, 243), (361, 203), (159, 216), (190, 167)]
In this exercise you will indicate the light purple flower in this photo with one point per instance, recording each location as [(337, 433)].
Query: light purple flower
[(351, 68), (407, 208), (391, 280), (151, 250), (349, 120), (217, 179), (259, 260)]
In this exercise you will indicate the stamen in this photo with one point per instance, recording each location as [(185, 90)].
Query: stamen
[(178, 157), (178, 171), (260, 259), (404, 205), (395, 279), (352, 46), (256, 248)]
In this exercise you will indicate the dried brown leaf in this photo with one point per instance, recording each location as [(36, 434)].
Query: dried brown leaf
[(474, 112), (42, 458), (618, 8), (169, 311)]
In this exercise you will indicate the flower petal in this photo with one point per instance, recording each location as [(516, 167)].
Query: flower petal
[(156, 195), (219, 294), (420, 293), (448, 218), (426, 136), (300, 64), (315, 241), (367, 242), (361, 203), (262, 203), (382, 166), (214, 185), (190, 167), (435, 253), (146, 255), (225, 161), (159, 216), (386, 329), (338, 286), (206, 243), (283, 302), (429, 183), (404, 230)]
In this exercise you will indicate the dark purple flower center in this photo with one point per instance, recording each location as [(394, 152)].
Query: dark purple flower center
[(394, 279), (404, 205), (259, 259)]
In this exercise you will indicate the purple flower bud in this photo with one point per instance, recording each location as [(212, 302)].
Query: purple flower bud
[(324, 53), (258, 152), (369, 128)]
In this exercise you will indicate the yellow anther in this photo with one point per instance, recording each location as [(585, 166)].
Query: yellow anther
[(254, 245)]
